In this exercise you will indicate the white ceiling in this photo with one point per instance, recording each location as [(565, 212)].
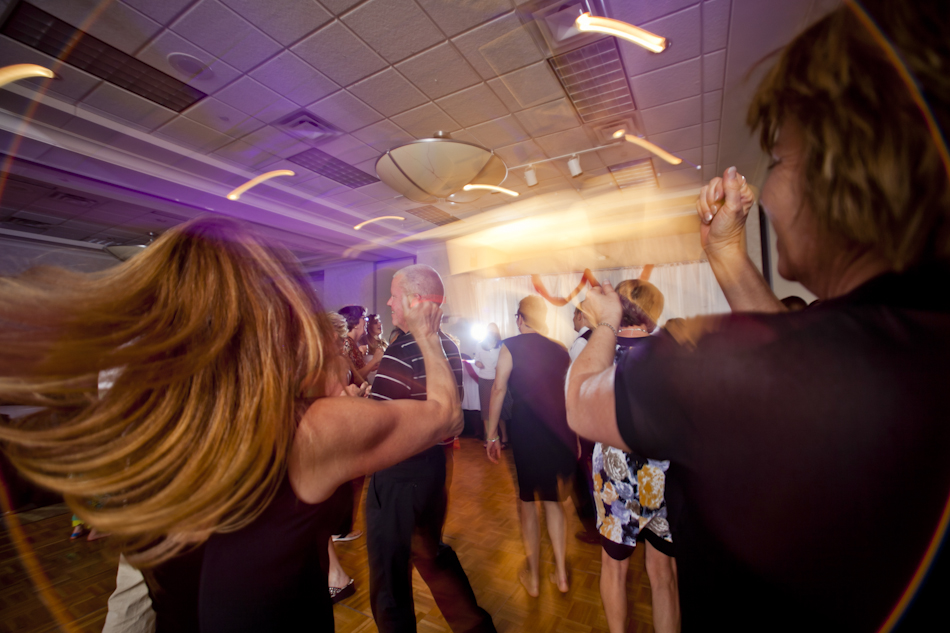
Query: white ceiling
[(383, 72)]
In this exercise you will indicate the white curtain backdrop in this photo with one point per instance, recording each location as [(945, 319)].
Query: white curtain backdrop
[(689, 288)]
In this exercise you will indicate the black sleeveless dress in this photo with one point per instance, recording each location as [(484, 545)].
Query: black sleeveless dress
[(545, 448)]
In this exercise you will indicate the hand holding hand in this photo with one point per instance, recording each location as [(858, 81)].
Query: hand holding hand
[(603, 305), (354, 391), (493, 450), (480, 364), (723, 207), (422, 317)]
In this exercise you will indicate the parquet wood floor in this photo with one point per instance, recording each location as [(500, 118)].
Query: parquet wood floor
[(482, 527)]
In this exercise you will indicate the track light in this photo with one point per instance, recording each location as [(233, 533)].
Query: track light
[(531, 176), (587, 23), (574, 164), (236, 193), (650, 147)]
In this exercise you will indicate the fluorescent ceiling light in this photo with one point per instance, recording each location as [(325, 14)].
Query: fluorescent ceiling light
[(234, 195), (491, 188), (23, 71), (647, 145), (385, 217), (587, 23)]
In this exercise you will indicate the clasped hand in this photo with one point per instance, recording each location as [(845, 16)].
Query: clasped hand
[(602, 305), (723, 207)]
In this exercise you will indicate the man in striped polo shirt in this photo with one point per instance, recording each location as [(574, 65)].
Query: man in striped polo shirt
[(406, 503)]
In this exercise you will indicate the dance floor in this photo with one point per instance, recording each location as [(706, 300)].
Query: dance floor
[(482, 527)]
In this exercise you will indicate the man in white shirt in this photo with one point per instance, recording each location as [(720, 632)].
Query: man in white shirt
[(583, 329)]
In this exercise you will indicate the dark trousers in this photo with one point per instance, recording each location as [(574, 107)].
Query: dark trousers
[(405, 512), (582, 493)]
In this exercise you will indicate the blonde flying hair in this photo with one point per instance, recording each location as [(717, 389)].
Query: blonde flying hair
[(215, 337), (872, 170)]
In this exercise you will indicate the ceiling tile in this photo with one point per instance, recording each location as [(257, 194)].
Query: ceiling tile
[(533, 85), (191, 134), (622, 153), (424, 121), (711, 132), (565, 142), (157, 52), (439, 71), (74, 84), (383, 136), (714, 71), (294, 79), (252, 98), (316, 185), (115, 24), (501, 91), (275, 142), (349, 149), (285, 21), (671, 116), (244, 153), (369, 166), (640, 12), (396, 29), (221, 32), (710, 171), (691, 158), (340, 55), (117, 104), (498, 47), (667, 84), (338, 7), (682, 28), (473, 105), (679, 178), (162, 11), (710, 153), (345, 111), (499, 132), (548, 118), (379, 191), (349, 198), (454, 17), (712, 105), (388, 92), (679, 140), (715, 25), (520, 153), (223, 118)]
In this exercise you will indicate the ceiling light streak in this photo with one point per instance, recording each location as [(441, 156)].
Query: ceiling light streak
[(385, 217), (650, 147), (587, 23), (234, 195), (23, 71), (492, 188)]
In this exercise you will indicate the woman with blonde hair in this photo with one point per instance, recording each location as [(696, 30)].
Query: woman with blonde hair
[(808, 478), (212, 461)]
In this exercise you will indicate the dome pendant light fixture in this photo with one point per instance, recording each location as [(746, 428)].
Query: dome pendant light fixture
[(438, 168)]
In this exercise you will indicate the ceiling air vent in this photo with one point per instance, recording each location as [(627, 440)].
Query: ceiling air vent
[(433, 214), (636, 174), (73, 199), (333, 168), (48, 34), (594, 79), (30, 224), (308, 127)]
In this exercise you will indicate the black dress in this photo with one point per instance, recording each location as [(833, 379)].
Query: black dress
[(545, 448), (268, 576)]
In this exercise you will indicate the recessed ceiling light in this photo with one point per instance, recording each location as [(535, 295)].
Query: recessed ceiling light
[(191, 66)]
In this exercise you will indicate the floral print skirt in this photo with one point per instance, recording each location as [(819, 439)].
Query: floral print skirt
[(629, 495)]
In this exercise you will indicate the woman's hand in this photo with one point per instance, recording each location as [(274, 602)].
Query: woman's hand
[(602, 305), (723, 207), (354, 391), (422, 317), (493, 450), (480, 364)]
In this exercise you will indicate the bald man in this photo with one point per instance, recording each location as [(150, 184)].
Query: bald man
[(406, 503)]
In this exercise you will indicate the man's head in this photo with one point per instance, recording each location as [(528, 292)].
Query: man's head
[(580, 319), (418, 282), (532, 312)]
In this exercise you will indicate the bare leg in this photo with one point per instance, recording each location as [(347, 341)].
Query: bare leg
[(336, 577), (557, 530), (613, 591), (531, 534), (661, 569)]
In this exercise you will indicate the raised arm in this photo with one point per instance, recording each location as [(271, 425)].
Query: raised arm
[(591, 408), (723, 207), (341, 438), (498, 390)]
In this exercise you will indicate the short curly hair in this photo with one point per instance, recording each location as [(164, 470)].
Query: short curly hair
[(873, 173), (642, 303)]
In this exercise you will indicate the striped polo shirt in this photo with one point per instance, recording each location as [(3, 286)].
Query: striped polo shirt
[(402, 371)]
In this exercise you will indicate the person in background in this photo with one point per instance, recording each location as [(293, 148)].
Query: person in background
[(211, 455), (583, 329), (374, 346), (545, 450), (583, 481), (406, 503), (629, 492), (808, 478), (486, 359), (356, 327), (794, 303)]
